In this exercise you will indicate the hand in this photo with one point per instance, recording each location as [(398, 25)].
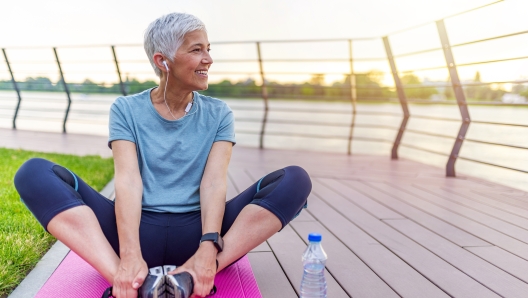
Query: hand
[(130, 276), (202, 267)]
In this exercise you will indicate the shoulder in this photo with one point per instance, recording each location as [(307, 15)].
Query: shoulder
[(131, 101), (214, 105), (212, 101)]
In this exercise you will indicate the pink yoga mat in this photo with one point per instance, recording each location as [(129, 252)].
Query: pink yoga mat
[(74, 278)]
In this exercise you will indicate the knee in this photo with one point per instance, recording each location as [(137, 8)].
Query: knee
[(29, 172), (300, 178)]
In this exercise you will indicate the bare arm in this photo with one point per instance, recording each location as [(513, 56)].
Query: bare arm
[(213, 188), (129, 190)]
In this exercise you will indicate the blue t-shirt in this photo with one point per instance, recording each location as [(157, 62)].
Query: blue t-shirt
[(171, 154)]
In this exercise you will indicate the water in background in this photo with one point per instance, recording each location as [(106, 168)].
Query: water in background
[(89, 115)]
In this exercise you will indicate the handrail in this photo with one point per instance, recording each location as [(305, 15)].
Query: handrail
[(489, 38), (462, 44), (430, 134), (423, 149), (355, 89), (417, 52), (446, 17), (496, 144), (492, 164)]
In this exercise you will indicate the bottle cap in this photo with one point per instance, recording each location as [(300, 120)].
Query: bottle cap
[(314, 237)]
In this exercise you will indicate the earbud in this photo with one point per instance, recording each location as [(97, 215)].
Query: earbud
[(166, 66)]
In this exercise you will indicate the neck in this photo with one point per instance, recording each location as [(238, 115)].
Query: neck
[(176, 98), (170, 100)]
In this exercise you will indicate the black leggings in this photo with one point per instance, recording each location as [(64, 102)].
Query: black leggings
[(166, 238)]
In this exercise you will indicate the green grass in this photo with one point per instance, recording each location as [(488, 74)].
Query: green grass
[(22, 240)]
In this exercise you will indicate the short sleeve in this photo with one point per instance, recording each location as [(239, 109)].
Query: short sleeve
[(226, 129), (119, 128)]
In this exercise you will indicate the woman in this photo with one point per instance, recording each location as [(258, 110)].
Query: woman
[(171, 149)]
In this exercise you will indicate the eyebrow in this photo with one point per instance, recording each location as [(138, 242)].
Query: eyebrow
[(200, 44)]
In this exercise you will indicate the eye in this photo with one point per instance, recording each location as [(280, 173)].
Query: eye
[(208, 50), (196, 50)]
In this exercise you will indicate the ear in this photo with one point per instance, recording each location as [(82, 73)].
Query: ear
[(158, 60)]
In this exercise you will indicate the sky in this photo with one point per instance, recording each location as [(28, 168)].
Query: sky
[(34, 23), (67, 22)]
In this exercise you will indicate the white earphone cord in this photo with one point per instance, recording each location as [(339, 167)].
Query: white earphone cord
[(189, 105), (164, 93)]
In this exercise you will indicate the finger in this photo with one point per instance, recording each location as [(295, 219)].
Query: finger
[(116, 291), (196, 290), (124, 292), (208, 288), (131, 293), (120, 293), (139, 279), (202, 290)]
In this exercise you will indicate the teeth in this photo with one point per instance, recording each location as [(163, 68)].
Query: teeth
[(204, 72)]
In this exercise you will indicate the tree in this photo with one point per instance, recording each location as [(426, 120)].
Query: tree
[(38, 84), (484, 91), (417, 90)]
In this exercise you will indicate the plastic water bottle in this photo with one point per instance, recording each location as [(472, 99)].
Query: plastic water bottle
[(313, 284)]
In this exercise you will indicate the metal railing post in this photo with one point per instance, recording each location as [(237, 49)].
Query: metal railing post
[(66, 89), (353, 97), (460, 98), (123, 91), (401, 96), (15, 85), (264, 97)]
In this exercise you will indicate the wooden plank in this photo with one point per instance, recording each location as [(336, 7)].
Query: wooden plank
[(511, 192), (432, 195), (478, 206), (288, 247), (471, 195), (444, 275), (492, 277), (502, 259), (402, 278), (519, 202), (440, 182), (351, 273), (304, 216), (262, 247), (446, 230), (70, 143), (361, 200), (271, 280), (240, 178), (411, 197), (232, 191)]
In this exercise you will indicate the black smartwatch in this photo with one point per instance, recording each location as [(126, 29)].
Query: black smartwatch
[(215, 238)]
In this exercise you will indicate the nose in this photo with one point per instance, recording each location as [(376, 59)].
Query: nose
[(207, 59)]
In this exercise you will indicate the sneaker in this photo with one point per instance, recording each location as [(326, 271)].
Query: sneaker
[(154, 285), (177, 285)]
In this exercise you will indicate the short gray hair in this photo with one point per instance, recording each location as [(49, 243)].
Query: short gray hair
[(165, 35)]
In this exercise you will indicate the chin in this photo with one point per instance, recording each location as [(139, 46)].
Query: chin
[(203, 87)]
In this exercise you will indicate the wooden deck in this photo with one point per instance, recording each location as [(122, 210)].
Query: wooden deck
[(390, 228), (393, 228)]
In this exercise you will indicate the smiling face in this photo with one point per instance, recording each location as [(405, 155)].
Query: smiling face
[(191, 63)]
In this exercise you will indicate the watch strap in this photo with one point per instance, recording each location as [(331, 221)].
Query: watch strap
[(215, 238)]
